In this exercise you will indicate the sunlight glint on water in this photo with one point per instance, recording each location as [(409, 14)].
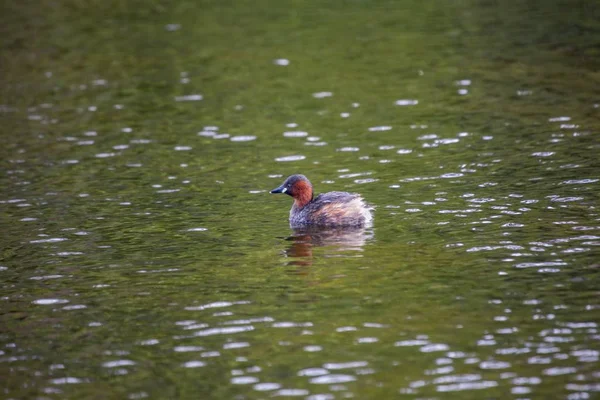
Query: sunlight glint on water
[(144, 258)]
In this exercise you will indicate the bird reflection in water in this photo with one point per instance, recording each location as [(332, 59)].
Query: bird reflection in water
[(339, 242)]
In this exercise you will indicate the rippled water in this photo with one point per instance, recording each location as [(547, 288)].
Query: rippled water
[(142, 256)]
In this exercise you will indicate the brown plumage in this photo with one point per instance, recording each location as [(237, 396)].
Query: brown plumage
[(333, 209)]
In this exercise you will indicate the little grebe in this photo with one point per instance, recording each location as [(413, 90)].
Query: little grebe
[(333, 209)]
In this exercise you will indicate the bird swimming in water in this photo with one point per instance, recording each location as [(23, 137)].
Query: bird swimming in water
[(333, 209)]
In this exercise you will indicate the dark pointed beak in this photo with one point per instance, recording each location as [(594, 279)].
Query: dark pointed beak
[(280, 189)]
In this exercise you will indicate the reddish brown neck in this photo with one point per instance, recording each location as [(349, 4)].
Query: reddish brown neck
[(302, 194)]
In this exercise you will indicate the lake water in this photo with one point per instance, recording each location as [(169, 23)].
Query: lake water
[(143, 257)]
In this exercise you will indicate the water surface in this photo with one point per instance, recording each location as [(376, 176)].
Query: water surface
[(142, 256)]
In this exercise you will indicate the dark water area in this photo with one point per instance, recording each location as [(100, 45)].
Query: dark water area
[(142, 255)]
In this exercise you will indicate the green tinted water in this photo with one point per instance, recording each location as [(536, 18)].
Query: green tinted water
[(142, 256)]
